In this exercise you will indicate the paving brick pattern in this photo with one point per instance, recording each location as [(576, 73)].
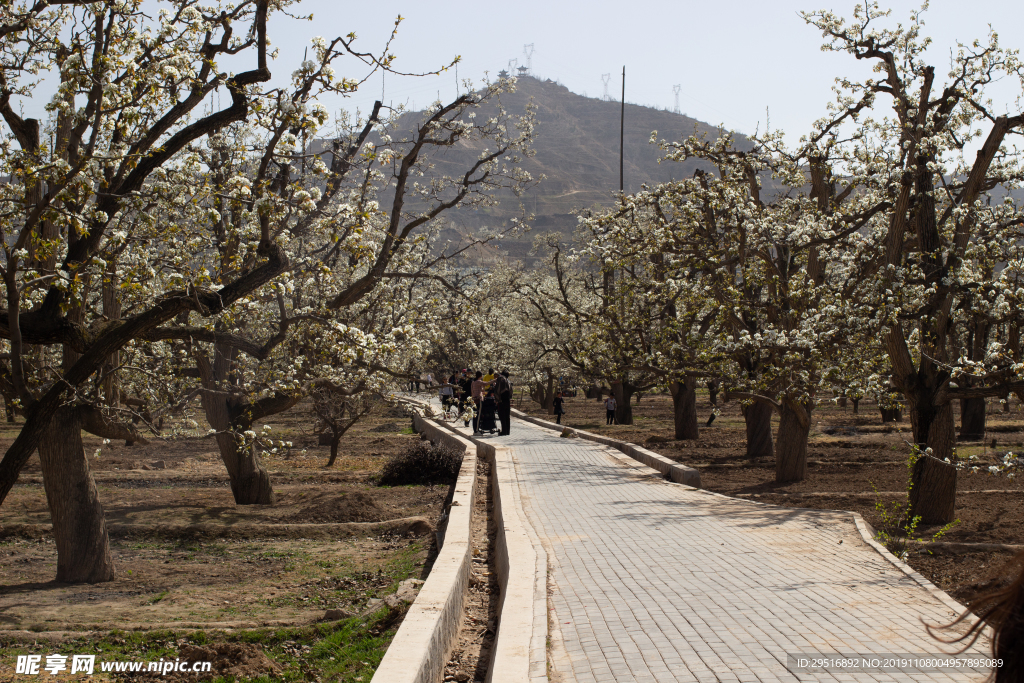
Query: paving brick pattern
[(657, 582)]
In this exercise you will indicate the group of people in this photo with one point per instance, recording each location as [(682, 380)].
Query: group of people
[(490, 394)]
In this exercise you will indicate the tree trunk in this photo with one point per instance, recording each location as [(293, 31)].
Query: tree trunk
[(841, 401), (791, 448), (758, 419), (549, 394), (934, 427), (933, 490), (79, 527), (684, 408), (972, 419), (335, 439), (9, 406), (250, 482), (713, 387), (891, 414), (856, 404), (623, 393)]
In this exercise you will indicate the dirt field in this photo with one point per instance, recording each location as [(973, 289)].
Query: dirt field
[(188, 558), (848, 453)]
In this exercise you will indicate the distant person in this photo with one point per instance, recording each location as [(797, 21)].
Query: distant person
[(488, 412), (489, 377), (446, 392), (503, 388), (559, 409), (609, 410), (477, 392), (1002, 610), (465, 388)]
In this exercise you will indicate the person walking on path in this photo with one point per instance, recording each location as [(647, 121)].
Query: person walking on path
[(503, 387), (609, 407), (447, 391), (477, 392), (559, 410)]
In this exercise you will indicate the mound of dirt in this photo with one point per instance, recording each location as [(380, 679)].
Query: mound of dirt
[(389, 427), (355, 506), (233, 661), (241, 660)]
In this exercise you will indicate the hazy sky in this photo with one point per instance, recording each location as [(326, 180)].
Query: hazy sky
[(733, 60)]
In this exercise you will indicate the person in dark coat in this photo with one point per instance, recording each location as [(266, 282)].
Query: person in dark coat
[(559, 410), (503, 388)]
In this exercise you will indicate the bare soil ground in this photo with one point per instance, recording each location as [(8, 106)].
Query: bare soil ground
[(188, 558), (848, 453)]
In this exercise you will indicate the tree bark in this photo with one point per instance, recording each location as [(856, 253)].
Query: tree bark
[(972, 419), (713, 387), (79, 527), (684, 408), (791, 448), (891, 414), (549, 394), (250, 481), (335, 439), (933, 427), (856, 404), (933, 490), (623, 393), (758, 419)]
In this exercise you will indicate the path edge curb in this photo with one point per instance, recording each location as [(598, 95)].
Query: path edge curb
[(868, 536), (424, 642), (519, 653), (680, 474)]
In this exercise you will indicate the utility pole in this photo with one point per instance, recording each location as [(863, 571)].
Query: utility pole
[(622, 130), (605, 78), (676, 89)]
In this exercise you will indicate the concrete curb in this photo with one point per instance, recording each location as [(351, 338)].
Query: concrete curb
[(868, 536), (520, 647), (681, 474), (519, 654), (427, 636)]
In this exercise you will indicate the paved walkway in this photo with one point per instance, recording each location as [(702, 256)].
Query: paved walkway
[(657, 582)]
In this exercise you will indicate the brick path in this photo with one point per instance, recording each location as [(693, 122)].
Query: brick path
[(656, 582)]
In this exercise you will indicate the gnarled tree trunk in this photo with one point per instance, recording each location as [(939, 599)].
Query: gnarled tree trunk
[(684, 408), (933, 495), (972, 419), (250, 481), (758, 419), (79, 528), (791, 448), (933, 490)]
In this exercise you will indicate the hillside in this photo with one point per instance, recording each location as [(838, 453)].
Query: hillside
[(577, 144)]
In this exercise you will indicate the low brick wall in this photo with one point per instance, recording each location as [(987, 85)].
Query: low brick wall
[(427, 636), (681, 474)]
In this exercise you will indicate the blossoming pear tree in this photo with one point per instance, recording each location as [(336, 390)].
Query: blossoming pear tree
[(945, 225)]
